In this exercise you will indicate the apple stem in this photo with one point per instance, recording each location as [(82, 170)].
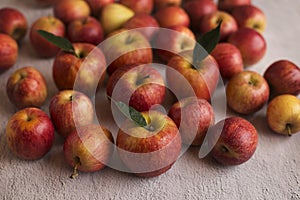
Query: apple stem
[(75, 171), (288, 127)]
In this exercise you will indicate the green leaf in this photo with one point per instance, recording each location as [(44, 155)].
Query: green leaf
[(131, 113), (58, 41)]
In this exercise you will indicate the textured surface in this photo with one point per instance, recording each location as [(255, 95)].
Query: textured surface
[(272, 173)]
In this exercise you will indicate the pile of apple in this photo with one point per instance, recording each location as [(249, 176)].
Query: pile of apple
[(134, 35)]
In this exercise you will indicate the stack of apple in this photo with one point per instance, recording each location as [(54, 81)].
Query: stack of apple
[(134, 34)]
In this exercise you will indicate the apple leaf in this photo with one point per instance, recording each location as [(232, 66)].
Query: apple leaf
[(58, 41), (131, 113)]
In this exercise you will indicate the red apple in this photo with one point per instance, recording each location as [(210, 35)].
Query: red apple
[(159, 4), (229, 59), (152, 150), (83, 71), (283, 77), (70, 109), (283, 114), (144, 23), (97, 6), (251, 43), (13, 23), (42, 47), (237, 141), (212, 20), (26, 87), (140, 86), (126, 47), (30, 134), (8, 52), (247, 92), (88, 148), (170, 42), (250, 16), (87, 30), (69, 10), (186, 79), (193, 117), (172, 16), (228, 5), (141, 6), (196, 9)]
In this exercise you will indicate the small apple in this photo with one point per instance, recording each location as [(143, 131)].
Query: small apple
[(172, 16), (42, 47), (141, 86), (196, 9), (147, 24), (13, 23), (83, 71), (229, 59), (247, 92), (8, 52), (186, 79), (126, 47), (70, 109), (228, 5), (87, 30), (283, 77), (97, 5), (193, 117), (26, 87), (141, 6), (250, 16), (114, 16), (30, 133), (69, 10), (152, 150), (211, 21), (171, 41), (237, 141), (88, 148), (251, 44), (283, 114), (159, 4)]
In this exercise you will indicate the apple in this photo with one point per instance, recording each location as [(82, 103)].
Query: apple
[(87, 30), (70, 109), (152, 150), (141, 6), (229, 59), (83, 71), (42, 47), (97, 5), (247, 92), (193, 117), (283, 114), (171, 42), (144, 23), (13, 23), (114, 16), (26, 87), (126, 47), (159, 4), (140, 86), (196, 9), (228, 5), (88, 148), (283, 77), (30, 133), (8, 52), (212, 20), (251, 43), (250, 16), (236, 143), (185, 79), (69, 10), (172, 16)]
